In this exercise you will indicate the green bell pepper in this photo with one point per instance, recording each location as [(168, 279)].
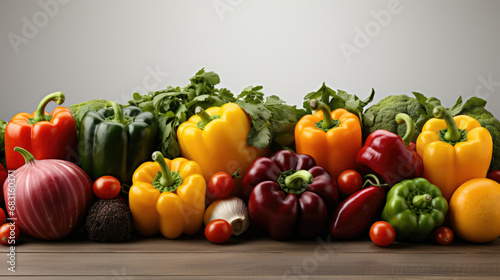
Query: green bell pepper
[(414, 208), (115, 141)]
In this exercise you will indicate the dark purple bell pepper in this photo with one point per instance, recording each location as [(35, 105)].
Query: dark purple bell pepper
[(289, 194)]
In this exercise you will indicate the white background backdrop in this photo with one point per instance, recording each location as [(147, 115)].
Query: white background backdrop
[(109, 49)]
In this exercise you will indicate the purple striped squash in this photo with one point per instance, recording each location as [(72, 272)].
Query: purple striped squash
[(51, 196)]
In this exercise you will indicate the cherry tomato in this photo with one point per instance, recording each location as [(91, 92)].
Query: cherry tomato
[(382, 233), (218, 231), (443, 235), (3, 217), (221, 185), (9, 234), (495, 176), (349, 182), (107, 187)]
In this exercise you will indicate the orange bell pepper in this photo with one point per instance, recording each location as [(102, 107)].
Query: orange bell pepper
[(167, 196), (46, 136), (333, 139), (454, 150)]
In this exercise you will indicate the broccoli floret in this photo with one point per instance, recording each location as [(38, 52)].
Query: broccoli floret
[(382, 115), (79, 110), (487, 120), (109, 220)]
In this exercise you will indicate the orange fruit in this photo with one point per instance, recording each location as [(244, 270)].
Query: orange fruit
[(474, 211)]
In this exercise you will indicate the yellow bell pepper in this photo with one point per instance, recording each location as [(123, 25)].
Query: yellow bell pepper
[(333, 139), (454, 150), (217, 140), (167, 196)]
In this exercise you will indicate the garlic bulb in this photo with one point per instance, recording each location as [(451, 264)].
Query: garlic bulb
[(231, 209)]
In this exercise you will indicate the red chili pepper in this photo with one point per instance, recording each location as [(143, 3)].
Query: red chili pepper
[(289, 194), (46, 136), (355, 214), (389, 156)]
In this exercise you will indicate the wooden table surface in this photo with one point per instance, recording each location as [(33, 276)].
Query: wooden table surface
[(253, 256)]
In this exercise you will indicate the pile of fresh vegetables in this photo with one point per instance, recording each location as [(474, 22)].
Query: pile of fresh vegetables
[(171, 161)]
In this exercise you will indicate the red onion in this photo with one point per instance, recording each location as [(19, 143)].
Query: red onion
[(51, 196)]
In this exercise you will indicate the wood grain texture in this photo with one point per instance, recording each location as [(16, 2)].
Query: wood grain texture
[(289, 264), (250, 258), (55, 277), (244, 277)]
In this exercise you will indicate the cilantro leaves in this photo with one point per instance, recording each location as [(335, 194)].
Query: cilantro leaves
[(273, 121), (339, 99)]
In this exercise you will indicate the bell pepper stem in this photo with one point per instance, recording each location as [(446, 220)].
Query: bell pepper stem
[(28, 157), (410, 127), (166, 176), (295, 180), (452, 134), (57, 97), (327, 114), (420, 201), (204, 116), (119, 118)]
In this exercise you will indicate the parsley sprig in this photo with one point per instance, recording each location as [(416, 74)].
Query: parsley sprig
[(339, 99), (273, 121)]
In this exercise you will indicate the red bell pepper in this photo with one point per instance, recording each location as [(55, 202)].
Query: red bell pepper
[(388, 155), (46, 136), (413, 146), (288, 192), (357, 212)]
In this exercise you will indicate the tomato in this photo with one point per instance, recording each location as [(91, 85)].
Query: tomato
[(349, 182), (218, 231), (7, 235), (443, 235), (382, 233), (107, 187), (3, 217), (221, 185), (495, 176)]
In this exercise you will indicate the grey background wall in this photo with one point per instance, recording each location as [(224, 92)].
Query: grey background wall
[(109, 49)]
